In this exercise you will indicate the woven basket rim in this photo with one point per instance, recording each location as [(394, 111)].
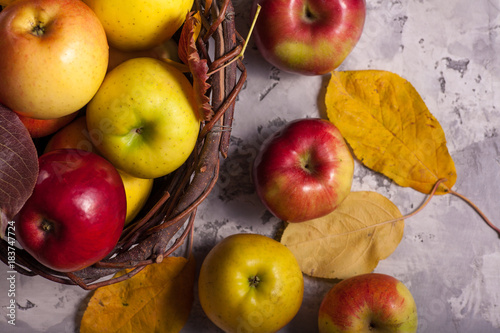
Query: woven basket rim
[(169, 221)]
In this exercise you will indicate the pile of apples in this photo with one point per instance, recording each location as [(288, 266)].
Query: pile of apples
[(89, 77), (89, 74), (252, 283)]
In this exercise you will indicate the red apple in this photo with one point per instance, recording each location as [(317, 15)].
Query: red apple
[(310, 37), (42, 127), (54, 56), (368, 303), (303, 171), (76, 213)]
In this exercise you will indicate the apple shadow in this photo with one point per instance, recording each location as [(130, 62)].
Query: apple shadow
[(322, 109), (306, 320)]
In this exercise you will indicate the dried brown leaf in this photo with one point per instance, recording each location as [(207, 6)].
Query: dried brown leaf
[(188, 53)]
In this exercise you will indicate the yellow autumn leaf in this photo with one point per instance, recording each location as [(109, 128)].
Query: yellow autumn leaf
[(349, 241), (390, 129), (157, 299)]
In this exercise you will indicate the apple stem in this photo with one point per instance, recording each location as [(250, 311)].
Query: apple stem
[(38, 30), (254, 281), (308, 14), (307, 164), (46, 225)]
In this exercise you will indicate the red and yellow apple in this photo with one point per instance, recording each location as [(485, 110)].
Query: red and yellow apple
[(42, 127), (76, 212), (75, 135), (54, 57), (310, 37), (304, 170), (250, 283), (133, 25), (368, 303), (144, 118)]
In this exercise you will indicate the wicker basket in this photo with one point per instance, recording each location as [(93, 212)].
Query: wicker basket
[(175, 197)]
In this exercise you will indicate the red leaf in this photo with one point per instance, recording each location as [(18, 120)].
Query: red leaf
[(18, 166)]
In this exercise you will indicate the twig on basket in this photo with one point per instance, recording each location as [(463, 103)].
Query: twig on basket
[(236, 54)]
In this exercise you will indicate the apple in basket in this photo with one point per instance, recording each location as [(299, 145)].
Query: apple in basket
[(133, 25), (144, 118), (39, 128), (54, 56), (75, 135), (76, 212)]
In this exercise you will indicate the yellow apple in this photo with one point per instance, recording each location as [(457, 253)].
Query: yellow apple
[(250, 283), (144, 118), (54, 56), (140, 24), (137, 191), (75, 135)]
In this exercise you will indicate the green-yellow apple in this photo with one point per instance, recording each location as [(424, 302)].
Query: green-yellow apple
[(75, 135), (304, 170), (144, 118), (368, 303), (310, 37), (42, 127), (140, 24), (250, 283), (54, 57)]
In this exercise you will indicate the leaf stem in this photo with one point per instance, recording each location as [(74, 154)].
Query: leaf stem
[(433, 192), (419, 209), (483, 216)]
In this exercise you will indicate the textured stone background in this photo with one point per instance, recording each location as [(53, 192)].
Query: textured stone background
[(448, 257)]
